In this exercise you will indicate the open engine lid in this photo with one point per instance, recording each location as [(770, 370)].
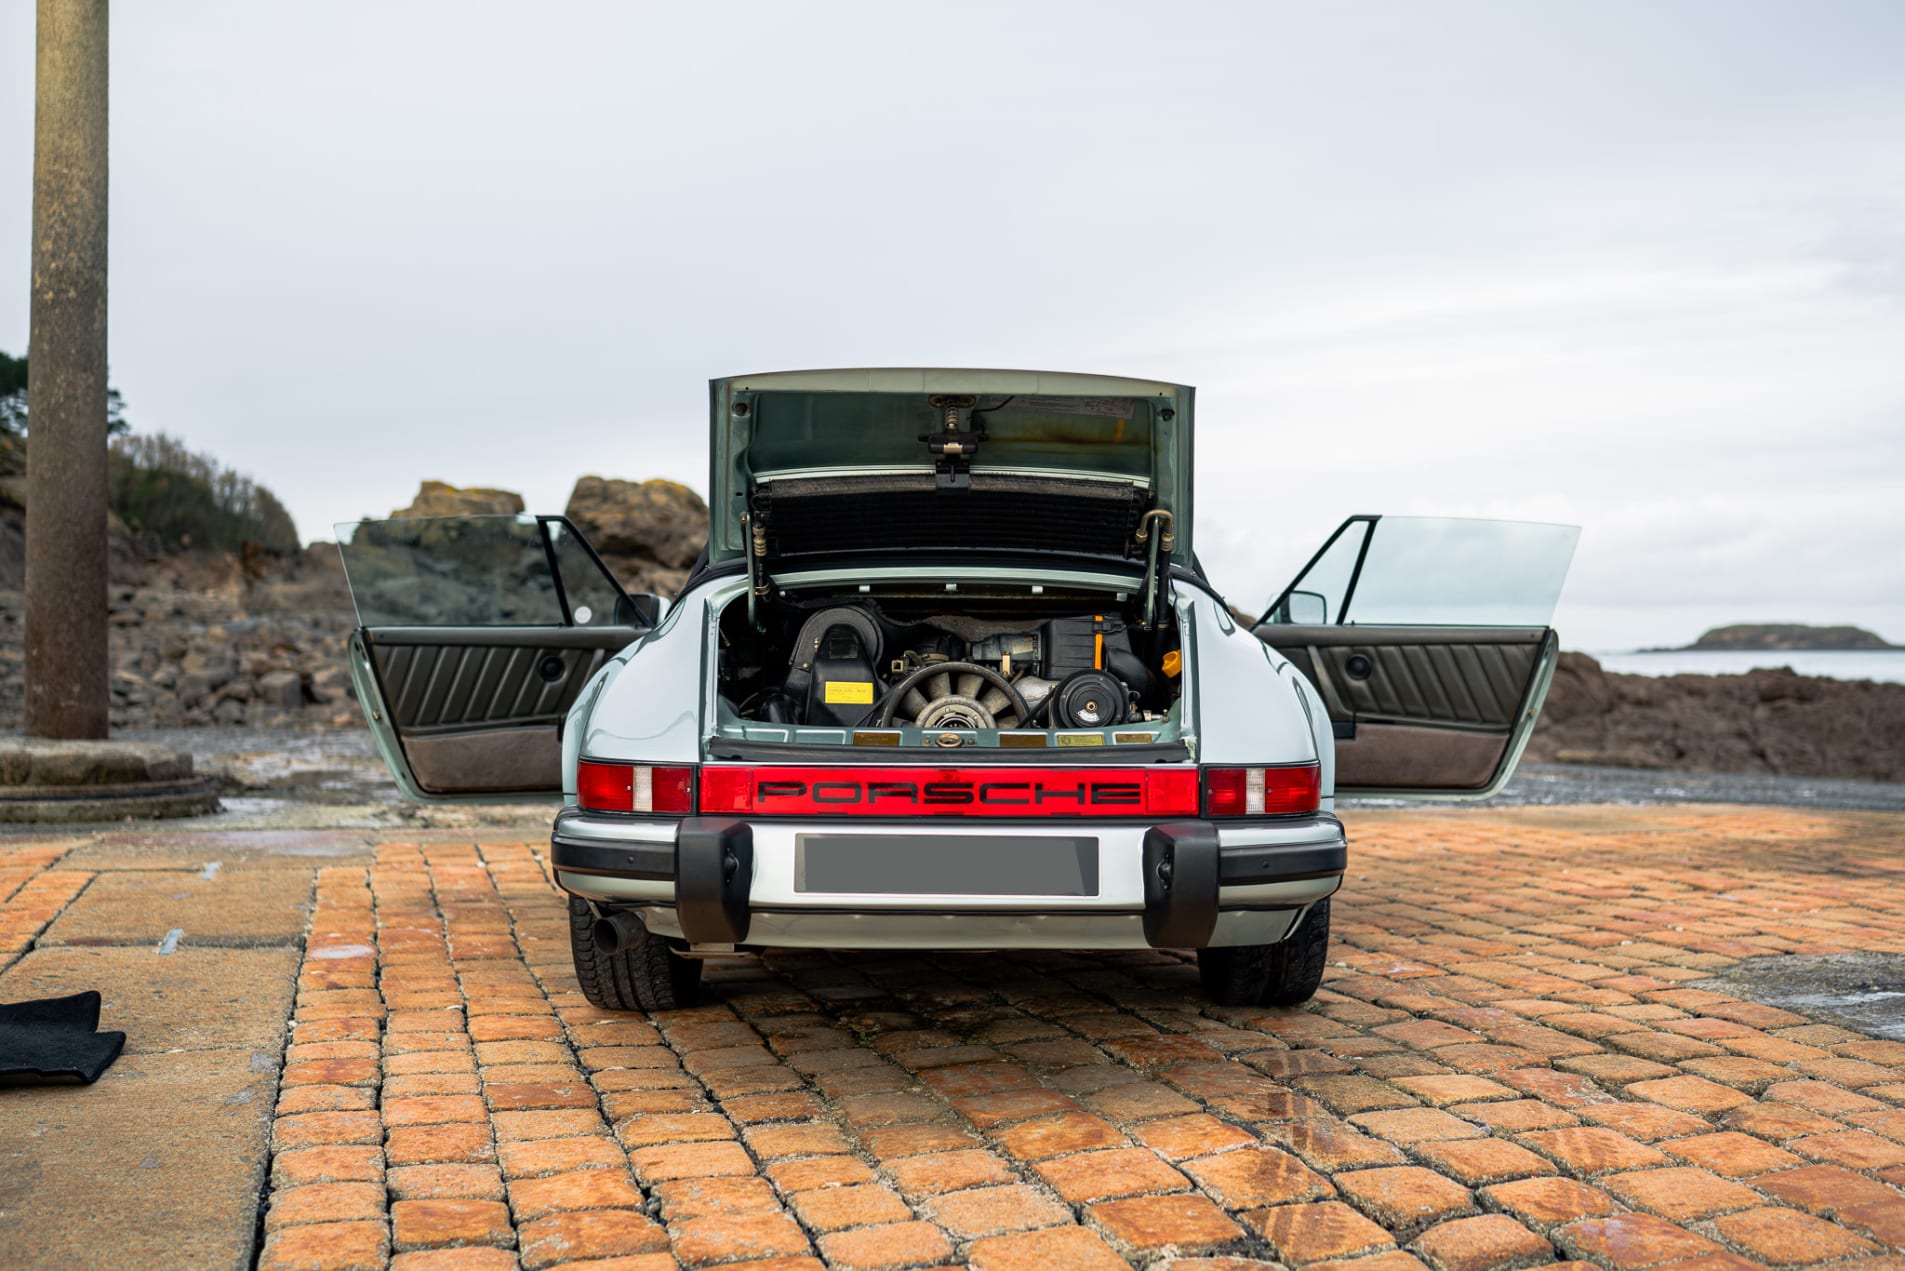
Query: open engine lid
[(835, 463)]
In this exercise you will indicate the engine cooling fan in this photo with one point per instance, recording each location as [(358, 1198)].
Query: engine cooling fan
[(953, 695)]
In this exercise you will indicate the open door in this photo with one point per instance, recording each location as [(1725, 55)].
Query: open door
[(1428, 639), (475, 635)]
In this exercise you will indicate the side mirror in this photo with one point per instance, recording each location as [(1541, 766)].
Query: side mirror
[(639, 611), (1303, 609)]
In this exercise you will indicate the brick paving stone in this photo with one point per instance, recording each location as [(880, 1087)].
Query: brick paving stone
[(1647, 1122), (1789, 1238), (1488, 1242), (598, 1233), (1824, 1189), (1073, 1248), (987, 1110), (734, 1237), (325, 1202), (1681, 1193), (1312, 1233), (689, 1160), (1058, 1136), (1179, 1138), (1179, 1221), (1416, 1125), (351, 1164), (904, 1244), (686, 1198), (1253, 1177), (432, 1224), (1476, 1162), (1327, 1144), (1515, 1115), (1854, 1149), (957, 1170), (818, 1171), (1546, 1203), (445, 1182), (486, 1258), (1081, 1178), (1689, 1094), (1731, 1153), (1404, 1198), (859, 1205), (532, 1198), (558, 1156), (1636, 1241), (985, 1211), (1443, 1089), (336, 1246), (1345, 1095), (1592, 1149)]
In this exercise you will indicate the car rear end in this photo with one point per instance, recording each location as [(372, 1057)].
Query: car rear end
[(951, 855)]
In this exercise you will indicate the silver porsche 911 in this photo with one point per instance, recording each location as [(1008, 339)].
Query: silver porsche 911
[(949, 676)]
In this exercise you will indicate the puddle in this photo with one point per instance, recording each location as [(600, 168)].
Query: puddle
[(1862, 991)]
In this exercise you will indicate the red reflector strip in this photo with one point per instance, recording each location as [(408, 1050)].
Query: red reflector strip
[(924, 790), (1262, 791)]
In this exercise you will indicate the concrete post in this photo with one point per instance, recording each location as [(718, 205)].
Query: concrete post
[(66, 663)]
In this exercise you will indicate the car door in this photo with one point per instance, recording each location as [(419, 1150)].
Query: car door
[(475, 635), (1429, 641)]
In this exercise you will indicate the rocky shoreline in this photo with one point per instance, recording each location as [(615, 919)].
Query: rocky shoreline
[(1771, 722)]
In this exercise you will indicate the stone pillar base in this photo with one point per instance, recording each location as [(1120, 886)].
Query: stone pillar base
[(68, 781)]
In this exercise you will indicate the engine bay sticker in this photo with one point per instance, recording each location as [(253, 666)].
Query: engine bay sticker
[(849, 692)]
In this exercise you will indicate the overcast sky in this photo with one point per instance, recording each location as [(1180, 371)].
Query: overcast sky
[(1637, 266)]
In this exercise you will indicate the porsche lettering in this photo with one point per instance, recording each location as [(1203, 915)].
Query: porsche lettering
[(913, 793)]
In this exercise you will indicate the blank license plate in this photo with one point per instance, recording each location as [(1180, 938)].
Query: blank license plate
[(945, 865)]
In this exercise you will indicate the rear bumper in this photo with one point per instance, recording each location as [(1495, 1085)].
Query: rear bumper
[(1183, 884)]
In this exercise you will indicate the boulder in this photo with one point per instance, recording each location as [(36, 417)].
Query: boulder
[(648, 532), (438, 498)]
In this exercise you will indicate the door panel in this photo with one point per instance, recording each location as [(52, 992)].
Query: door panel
[(1420, 709), (1436, 690), (479, 634)]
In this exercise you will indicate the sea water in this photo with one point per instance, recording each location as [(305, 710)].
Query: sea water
[(1850, 664)]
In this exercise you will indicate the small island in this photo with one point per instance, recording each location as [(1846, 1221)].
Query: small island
[(1744, 637)]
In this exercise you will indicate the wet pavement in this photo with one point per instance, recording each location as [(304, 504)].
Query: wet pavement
[(1590, 1033)]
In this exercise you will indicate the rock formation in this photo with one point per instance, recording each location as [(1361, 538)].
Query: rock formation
[(1772, 721), (648, 532), (438, 498)]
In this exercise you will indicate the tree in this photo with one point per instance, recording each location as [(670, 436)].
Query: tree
[(13, 415)]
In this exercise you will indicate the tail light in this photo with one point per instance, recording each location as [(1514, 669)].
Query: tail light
[(621, 787), (1262, 791)]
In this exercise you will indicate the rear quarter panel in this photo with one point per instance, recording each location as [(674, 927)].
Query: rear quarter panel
[(1247, 709)]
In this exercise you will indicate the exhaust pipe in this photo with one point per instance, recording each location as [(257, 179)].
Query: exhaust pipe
[(617, 930)]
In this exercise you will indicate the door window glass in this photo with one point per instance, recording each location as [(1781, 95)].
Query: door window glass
[(452, 571), (1447, 571), (1316, 597), (586, 585)]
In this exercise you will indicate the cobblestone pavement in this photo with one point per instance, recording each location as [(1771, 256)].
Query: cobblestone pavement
[(1506, 1068)]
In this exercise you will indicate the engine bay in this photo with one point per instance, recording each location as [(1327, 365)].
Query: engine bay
[(899, 666)]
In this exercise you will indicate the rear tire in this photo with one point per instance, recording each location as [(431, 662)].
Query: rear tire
[(1283, 974), (643, 975)]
